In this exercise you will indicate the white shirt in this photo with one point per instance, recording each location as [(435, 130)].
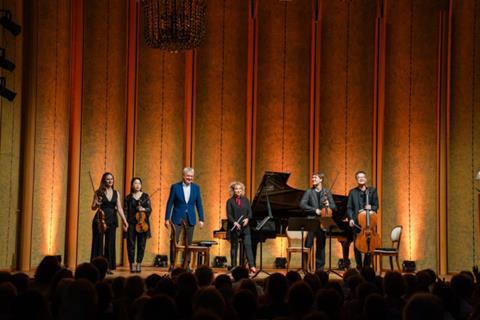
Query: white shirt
[(186, 191)]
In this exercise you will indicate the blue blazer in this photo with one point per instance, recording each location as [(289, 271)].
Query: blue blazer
[(177, 208)]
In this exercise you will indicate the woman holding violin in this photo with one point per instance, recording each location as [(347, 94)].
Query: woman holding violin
[(137, 209), (318, 201), (361, 209), (106, 203)]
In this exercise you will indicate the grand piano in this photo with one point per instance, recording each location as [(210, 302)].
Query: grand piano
[(278, 201)]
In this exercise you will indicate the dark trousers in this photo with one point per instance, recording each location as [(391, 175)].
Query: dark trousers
[(178, 231), (247, 245), (320, 251), (103, 244), (141, 240)]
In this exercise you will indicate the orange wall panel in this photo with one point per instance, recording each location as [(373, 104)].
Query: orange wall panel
[(51, 142), (160, 136), (220, 115), (283, 98), (10, 125), (409, 196), (463, 217), (103, 110)]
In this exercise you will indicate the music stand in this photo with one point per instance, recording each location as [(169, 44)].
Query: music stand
[(327, 225), (304, 225), (262, 240)]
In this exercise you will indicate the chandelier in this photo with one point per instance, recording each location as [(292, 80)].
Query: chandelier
[(174, 25)]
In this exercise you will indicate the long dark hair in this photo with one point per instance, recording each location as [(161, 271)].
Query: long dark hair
[(103, 184), (132, 181)]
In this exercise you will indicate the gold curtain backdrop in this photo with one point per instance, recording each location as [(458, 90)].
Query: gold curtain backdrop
[(290, 86)]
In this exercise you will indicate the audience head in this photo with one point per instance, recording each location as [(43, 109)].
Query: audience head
[(462, 285), (209, 299), (46, 270), (300, 298), (88, 272), (204, 275), (394, 284), (374, 307), (105, 295), (8, 292), (101, 263), (5, 276), (250, 285), (239, 273), (21, 281), (222, 281), (411, 284), (276, 287), (292, 277), (159, 305), (323, 277), (368, 274), (167, 287), (79, 300), (177, 272), (205, 315), (245, 304), (134, 287), (423, 306), (118, 287), (31, 304), (151, 281), (330, 302), (313, 281)]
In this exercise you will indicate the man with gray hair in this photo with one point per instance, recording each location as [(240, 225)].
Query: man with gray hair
[(184, 197)]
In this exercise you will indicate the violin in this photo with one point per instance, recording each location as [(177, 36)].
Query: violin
[(100, 214), (368, 238), (326, 211), (141, 225)]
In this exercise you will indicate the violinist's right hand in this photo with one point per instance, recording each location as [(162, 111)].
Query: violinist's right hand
[(167, 224), (237, 225), (318, 212), (351, 223)]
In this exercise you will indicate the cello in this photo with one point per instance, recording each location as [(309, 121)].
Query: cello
[(368, 238)]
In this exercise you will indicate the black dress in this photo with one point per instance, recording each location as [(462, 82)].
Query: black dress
[(103, 244), (133, 236)]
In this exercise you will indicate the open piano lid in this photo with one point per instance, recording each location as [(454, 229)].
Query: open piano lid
[(284, 200)]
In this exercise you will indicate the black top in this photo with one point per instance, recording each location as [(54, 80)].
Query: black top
[(313, 200), (110, 209), (130, 209), (357, 201), (234, 211)]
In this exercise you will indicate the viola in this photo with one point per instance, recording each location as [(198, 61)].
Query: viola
[(368, 238)]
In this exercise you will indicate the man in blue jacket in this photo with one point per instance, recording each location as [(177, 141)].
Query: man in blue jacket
[(184, 197)]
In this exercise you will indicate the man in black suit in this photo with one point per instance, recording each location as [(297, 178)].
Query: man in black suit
[(357, 202), (313, 201)]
